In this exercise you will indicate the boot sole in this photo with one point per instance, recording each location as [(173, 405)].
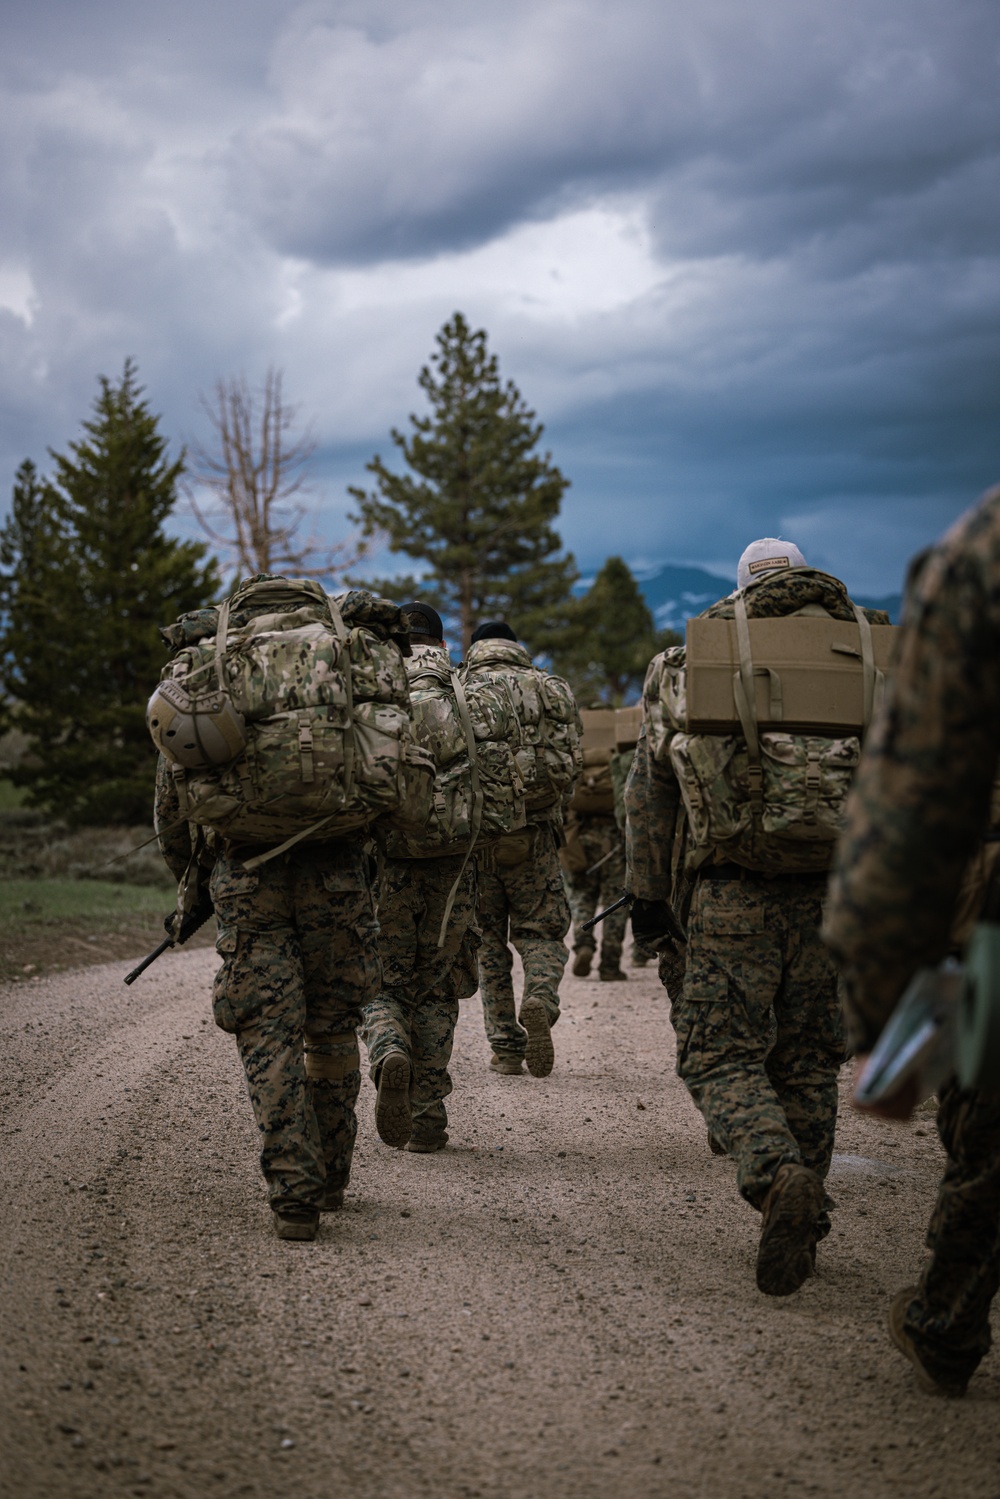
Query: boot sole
[(392, 1104), (788, 1238), (539, 1054)]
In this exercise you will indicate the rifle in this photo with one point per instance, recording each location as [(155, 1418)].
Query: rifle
[(194, 919), (604, 859), (674, 934), (626, 900)]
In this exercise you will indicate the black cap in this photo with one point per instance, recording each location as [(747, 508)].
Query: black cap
[(423, 620), (493, 629)]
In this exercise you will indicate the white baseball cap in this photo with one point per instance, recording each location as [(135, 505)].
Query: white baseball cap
[(764, 555)]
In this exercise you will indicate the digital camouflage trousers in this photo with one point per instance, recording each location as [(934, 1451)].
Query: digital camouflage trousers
[(949, 1318), (759, 1035), (299, 947), (527, 904), (416, 1009), (599, 838)]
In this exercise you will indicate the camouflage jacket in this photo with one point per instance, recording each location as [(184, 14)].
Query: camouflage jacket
[(656, 825), (921, 797)]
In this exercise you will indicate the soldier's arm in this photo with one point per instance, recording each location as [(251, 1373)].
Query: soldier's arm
[(172, 833), (652, 805), (921, 796)]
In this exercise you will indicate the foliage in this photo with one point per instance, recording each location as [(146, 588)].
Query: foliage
[(88, 576), (256, 473), (479, 503), (613, 640)]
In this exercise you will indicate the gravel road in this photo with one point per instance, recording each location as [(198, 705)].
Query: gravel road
[(560, 1304)]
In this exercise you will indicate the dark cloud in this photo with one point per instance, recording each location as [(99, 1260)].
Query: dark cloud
[(795, 321)]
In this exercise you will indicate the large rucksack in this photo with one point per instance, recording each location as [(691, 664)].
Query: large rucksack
[(549, 756), (594, 792), (767, 790), (319, 689), (470, 732)]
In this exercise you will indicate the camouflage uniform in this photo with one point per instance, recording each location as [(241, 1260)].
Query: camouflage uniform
[(919, 803), (416, 1010), (527, 902), (298, 942), (596, 838), (754, 993)]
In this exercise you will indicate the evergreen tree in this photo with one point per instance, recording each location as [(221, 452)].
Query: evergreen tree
[(480, 511), (90, 575), (614, 639)]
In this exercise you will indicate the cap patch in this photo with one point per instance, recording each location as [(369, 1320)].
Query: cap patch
[(764, 563)]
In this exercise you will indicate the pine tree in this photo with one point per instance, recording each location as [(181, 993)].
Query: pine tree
[(614, 640), (90, 577), (480, 511)]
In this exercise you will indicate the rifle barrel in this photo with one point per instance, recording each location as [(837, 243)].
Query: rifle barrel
[(150, 958)]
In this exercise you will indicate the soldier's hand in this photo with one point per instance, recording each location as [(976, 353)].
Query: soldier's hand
[(898, 1105), (650, 920)]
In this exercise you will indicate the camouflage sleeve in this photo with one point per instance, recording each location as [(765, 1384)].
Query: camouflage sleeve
[(171, 831), (921, 797), (652, 799), (652, 805)]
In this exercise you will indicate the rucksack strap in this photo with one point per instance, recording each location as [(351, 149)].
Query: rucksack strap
[(746, 701), (476, 820)]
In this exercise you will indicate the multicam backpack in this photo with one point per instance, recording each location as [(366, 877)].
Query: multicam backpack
[(549, 755), (469, 730), (321, 691), (769, 799), (594, 792)]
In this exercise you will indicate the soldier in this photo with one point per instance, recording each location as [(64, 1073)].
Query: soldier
[(297, 935), (919, 804), (427, 908), (754, 1005), (521, 891)]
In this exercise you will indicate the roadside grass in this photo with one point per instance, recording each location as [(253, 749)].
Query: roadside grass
[(50, 925), (46, 902)]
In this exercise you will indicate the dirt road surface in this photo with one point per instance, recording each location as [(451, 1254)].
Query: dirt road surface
[(560, 1304)]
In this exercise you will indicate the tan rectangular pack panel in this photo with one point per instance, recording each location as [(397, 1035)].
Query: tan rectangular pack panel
[(598, 729), (815, 678), (628, 722)]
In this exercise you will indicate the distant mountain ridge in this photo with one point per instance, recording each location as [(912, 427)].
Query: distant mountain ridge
[(674, 594)]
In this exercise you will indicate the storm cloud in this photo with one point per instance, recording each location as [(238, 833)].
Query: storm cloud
[(743, 261)]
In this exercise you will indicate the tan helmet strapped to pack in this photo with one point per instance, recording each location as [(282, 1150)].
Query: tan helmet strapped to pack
[(195, 730)]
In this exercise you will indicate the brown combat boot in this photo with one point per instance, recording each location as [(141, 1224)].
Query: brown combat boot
[(540, 1054), (582, 962), (612, 976), (427, 1144), (297, 1223), (392, 1106), (787, 1251), (899, 1335), (507, 1064)]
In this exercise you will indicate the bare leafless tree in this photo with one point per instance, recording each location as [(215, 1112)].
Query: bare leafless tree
[(257, 472)]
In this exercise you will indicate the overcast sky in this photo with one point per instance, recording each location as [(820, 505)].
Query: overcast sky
[(742, 259)]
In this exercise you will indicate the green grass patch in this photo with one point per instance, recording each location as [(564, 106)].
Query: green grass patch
[(29, 902)]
